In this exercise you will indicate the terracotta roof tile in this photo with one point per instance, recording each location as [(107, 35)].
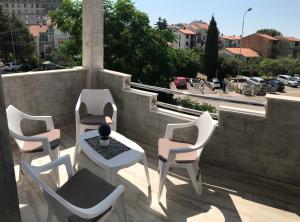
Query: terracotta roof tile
[(267, 36), (231, 37), (245, 52), (200, 25), (187, 31), (36, 29), (291, 39)]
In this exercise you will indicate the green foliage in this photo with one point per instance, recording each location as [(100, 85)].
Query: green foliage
[(23, 41), (68, 18), (187, 62), (192, 104), (271, 67), (210, 63), (131, 45), (271, 32), (161, 24)]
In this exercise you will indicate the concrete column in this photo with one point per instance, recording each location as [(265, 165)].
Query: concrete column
[(92, 39), (9, 203)]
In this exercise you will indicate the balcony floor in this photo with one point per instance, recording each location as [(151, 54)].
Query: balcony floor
[(227, 196)]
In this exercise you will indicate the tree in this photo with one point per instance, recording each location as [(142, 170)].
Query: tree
[(210, 63), (271, 67), (19, 37), (131, 45), (271, 32), (161, 24), (68, 18)]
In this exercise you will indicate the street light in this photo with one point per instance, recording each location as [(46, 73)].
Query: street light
[(12, 38), (240, 54)]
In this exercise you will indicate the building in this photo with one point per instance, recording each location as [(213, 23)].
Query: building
[(230, 41), (200, 28), (184, 38), (288, 46), (30, 11), (196, 29), (245, 53), (47, 38), (265, 45)]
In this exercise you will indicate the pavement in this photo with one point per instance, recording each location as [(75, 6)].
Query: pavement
[(217, 96)]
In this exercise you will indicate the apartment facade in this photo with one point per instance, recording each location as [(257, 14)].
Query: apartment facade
[(30, 11), (244, 53), (230, 41), (47, 38), (200, 28), (184, 38), (288, 46), (267, 46)]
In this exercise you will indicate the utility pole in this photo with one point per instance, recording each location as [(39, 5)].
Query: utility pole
[(240, 54), (12, 38), (9, 203)]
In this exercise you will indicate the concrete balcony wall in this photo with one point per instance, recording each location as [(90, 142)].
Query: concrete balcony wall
[(265, 144), (52, 93), (138, 116)]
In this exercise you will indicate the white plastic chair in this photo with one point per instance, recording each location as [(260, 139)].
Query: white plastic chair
[(95, 101), (37, 145), (84, 197), (184, 155)]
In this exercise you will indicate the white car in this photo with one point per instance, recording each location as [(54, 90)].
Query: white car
[(12, 66), (288, 80), (214, 83), (256, 81)]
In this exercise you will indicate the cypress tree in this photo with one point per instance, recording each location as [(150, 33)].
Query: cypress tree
[(210, 63)]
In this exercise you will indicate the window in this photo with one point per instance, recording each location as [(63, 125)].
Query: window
[(187, 43), (12, 5)]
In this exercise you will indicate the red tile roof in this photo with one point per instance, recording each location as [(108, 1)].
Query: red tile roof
[(245, 52), (267, 36), (231, 37), (187, 31), (36, 29), (200, 25), (291, 39)]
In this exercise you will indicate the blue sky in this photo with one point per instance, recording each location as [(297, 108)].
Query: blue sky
[(283, 15)]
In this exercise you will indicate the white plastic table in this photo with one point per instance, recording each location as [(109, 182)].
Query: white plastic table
[(122, 160)]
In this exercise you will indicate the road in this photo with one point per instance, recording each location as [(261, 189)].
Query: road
[(233, 95)]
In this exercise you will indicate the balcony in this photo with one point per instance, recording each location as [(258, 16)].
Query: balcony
[(250, 168)]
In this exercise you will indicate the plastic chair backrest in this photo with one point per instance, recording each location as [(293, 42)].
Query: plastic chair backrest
[(206, 126), (95, 100)]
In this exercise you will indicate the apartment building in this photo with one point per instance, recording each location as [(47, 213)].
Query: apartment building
[(47, 38), (288, 46), (244, 53), (267, 46), (184, 38), (230, 41), (30, 11), (200, 28)]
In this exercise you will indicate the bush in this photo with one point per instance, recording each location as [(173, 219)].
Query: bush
[(191, 104)]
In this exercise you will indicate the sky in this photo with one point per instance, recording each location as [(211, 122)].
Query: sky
[(283, 15)]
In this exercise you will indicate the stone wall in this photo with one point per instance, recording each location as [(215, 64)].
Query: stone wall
[(53, 93), (266, 144)]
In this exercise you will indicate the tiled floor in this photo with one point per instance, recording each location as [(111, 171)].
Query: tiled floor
[(227, 196)]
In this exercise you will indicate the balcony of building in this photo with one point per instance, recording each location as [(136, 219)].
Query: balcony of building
[(250, 167)]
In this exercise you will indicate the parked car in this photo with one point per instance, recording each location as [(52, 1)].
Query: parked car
[(256, 81), (12, 66), (193, 81), (297, 75), (297, 78), (180, 83), (276, 83), (288, 80), (214, 83)]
